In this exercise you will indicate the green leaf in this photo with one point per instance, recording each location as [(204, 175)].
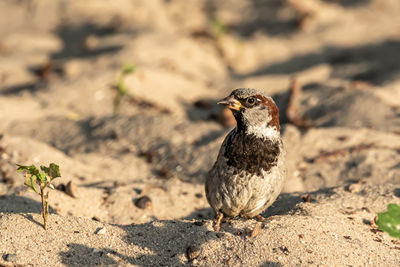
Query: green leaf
[(53, 170), (122, 88), (128, 68), (31, 182), (29, 169), (389, 221), (42, 177), (218, 27)]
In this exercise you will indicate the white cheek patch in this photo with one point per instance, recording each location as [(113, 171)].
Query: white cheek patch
[(264, 131)]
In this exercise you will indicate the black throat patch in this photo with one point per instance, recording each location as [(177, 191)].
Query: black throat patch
[(250, 153)]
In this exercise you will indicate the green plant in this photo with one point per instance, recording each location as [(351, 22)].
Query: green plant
[(121, 88), (389, 221), (218, 28), (43, 180)]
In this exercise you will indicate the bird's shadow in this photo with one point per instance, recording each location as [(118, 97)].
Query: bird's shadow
[(286, 204)]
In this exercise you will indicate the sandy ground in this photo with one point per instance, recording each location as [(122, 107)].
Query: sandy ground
[(60, 61)]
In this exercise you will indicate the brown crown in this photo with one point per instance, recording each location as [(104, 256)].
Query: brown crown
[(273, 110)]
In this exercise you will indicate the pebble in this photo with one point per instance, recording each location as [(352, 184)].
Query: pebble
[(10, 257), (143, 203), (284, 250), (71, 190), (101, 231), (354, 188), (193, 252)]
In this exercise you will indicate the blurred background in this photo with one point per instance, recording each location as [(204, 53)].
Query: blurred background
[(122, 95)]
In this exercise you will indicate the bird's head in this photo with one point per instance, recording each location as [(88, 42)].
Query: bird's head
[(252, 109)]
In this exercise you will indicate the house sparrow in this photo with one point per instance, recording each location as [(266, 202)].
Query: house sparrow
[(249, 172)]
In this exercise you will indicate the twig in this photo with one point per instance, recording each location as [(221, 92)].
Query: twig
[(292, 110), (345, 151)]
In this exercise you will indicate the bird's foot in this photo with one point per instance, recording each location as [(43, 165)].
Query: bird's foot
[(217, 221)]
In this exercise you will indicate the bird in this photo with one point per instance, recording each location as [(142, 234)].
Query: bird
[(249, 171)]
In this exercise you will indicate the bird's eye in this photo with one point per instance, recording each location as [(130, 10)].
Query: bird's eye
[(251, 100)]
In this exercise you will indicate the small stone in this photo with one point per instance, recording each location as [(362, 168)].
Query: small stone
[(71, 189), (10, 257), (72, 68), (366, 209), (101, 231), (143, 203), (164, 173), (354, 188), (284, 250), (95, 250), (193, 251)]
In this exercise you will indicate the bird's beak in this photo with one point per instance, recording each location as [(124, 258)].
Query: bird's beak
[(231, 103)]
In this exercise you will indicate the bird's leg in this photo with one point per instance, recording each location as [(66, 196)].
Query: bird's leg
[(259, 218), (217, 221)]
